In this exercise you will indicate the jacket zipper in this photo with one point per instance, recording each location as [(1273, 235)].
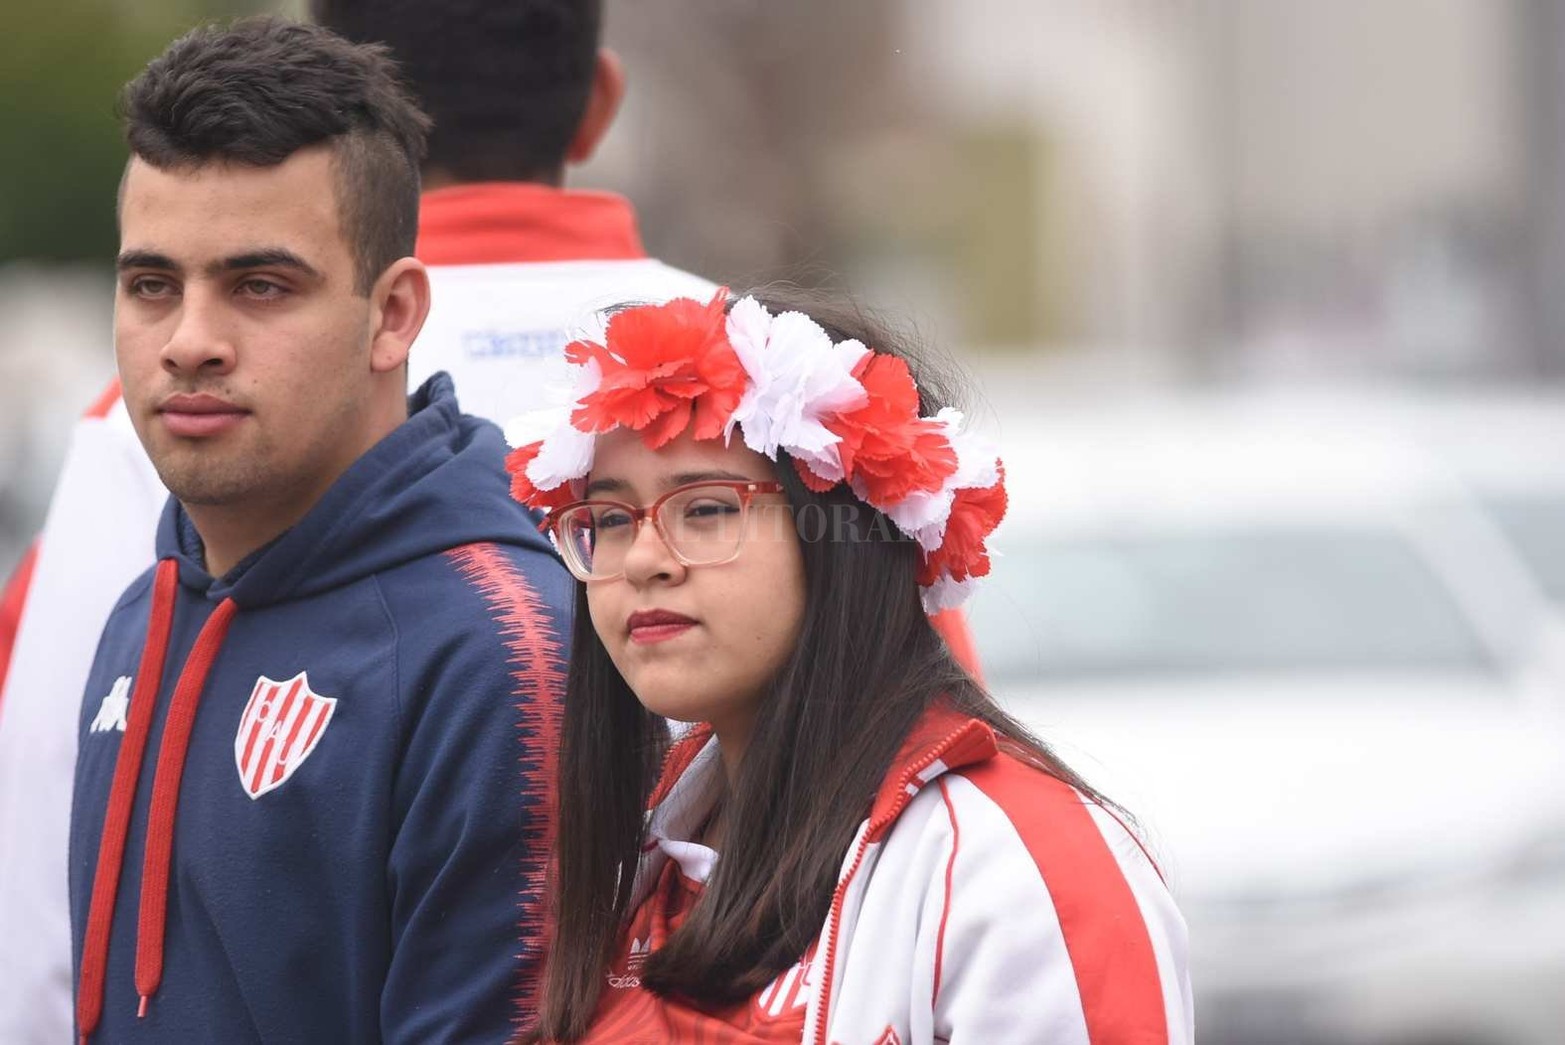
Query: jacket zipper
[(833, 920)]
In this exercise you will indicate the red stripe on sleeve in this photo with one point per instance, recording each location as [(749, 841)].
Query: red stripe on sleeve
[(1109, 946), (536, 654)]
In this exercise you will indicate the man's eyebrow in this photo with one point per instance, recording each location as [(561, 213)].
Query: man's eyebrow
[(267, 257), (145, 259)]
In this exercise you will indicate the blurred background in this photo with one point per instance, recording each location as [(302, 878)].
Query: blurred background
[(1266, 303)]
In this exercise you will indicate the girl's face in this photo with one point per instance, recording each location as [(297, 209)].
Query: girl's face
[(696, 643)]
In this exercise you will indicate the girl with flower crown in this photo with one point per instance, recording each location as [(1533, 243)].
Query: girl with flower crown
[(855, 844)]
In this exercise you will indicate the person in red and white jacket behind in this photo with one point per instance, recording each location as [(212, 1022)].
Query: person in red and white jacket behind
[(857, 846)]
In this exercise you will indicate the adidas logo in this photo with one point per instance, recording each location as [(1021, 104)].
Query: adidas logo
[(639, 949)]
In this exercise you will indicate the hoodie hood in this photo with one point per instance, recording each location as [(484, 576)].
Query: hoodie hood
[(428, 486)]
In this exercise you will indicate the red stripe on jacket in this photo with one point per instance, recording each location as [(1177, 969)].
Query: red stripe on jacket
[(1115, 965)]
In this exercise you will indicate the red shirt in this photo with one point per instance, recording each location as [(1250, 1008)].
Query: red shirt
[(629, 1015)]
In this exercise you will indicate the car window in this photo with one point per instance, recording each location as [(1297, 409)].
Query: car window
[(1219, 601), (1536, 526)]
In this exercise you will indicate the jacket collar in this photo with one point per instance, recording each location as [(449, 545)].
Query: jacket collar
[(943, 739), (489, 223)]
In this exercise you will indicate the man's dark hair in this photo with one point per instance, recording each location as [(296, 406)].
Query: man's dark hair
[(261, 89), (506, 81)]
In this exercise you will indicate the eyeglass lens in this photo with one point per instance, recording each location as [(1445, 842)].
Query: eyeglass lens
[(702, 525)]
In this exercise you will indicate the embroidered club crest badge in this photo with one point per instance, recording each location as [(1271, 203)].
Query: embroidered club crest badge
[(281, 725)]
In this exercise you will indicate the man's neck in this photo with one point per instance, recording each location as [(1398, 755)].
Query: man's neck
[(230, 533), (434, 178)]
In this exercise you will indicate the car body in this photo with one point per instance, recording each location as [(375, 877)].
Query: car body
[(1314, 644)]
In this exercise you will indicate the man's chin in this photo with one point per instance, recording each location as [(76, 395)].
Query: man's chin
[(206, 490)]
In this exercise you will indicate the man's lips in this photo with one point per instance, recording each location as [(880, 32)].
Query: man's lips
[(647, 626), (197, 416)]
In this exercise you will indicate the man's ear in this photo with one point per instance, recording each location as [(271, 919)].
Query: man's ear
[(603, 101), (399, 304)]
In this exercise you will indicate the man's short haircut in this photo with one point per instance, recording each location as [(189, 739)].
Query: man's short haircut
[(261, 89), (506, 81)]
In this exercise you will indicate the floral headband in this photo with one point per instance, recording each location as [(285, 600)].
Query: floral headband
[(842, 412)]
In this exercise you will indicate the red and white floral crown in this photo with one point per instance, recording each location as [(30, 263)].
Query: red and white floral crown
[(841, 411)]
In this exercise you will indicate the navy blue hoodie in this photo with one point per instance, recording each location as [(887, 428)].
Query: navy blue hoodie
[(361, 833)]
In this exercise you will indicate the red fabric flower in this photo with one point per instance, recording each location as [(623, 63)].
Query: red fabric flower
[(522, 488), (974, 515), (665, 367), (810, 479), (885, 444)]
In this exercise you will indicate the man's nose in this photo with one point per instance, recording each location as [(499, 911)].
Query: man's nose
[(202, 341)]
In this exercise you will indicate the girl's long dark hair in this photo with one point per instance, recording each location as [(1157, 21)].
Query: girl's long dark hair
[(867, 665)]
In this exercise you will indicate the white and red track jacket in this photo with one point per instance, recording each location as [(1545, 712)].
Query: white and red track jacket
[(514, 266), (982, 901)]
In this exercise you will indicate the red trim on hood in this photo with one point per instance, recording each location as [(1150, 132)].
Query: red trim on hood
[(158, 852), (491, 223), (122, 795)]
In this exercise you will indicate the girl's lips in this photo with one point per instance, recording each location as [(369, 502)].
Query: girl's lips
[(648, 626), (650, 633)]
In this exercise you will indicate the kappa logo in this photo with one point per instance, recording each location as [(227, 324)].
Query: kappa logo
[(111, 713), (281, 725)]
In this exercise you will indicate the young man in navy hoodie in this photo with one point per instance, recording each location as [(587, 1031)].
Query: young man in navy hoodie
[(311, 792)]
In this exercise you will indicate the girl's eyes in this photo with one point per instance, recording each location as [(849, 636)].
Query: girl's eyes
[(709, 509), (611, 519)]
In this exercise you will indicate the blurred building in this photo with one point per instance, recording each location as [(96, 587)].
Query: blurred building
[(1202, 188), (1185, 190)]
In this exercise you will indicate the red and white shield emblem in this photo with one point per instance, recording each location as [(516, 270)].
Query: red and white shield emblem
[(280, 727)]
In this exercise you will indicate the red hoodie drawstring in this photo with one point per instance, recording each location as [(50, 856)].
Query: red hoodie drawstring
[(152, 923), (116, 818), (165, 798)]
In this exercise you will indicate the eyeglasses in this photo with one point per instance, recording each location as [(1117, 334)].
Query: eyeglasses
[(702, 524)]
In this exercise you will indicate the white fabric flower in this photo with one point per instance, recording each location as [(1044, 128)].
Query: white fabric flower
[(946, 593), (797, 377), (566, 453)]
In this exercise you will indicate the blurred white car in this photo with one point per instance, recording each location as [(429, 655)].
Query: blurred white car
[(1315, 646)]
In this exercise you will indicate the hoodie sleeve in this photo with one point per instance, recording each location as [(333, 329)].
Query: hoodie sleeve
[(1054, 925), (482, 677)]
